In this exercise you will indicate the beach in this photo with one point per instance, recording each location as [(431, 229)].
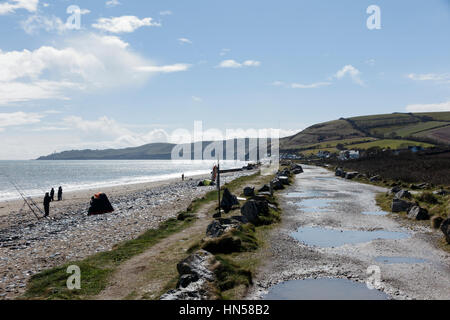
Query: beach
[(29, 245)]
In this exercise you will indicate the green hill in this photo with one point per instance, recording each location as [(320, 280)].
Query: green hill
[(397, 130)]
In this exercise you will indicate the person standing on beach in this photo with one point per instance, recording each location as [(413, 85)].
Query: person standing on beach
[(60, 193), (182, 177), (52, 195), (47, 200)]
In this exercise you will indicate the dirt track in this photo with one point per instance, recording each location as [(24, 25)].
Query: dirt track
[(289, 259)]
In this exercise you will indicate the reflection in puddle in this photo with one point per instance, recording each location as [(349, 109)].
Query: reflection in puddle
[(375, 213), (323, 289), (328, 238), (398, 260), (315, 204)]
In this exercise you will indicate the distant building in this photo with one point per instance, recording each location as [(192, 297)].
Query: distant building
[(349, 155), (323, 154)]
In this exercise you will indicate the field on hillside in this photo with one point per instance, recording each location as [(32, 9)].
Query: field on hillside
[(396, 130)]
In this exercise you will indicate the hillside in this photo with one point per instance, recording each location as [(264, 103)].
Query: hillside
[(397, 130)]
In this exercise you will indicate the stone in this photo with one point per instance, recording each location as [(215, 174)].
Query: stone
[(228, 201), (445, 228), (215, 229), (351, 175), (395, 190), (418, 213), (436, 222), (399, 205), (249, 192), (198, 264), (252, 209), (403, 194), (375, 179), (284, 180), (264, 188), (186, 279), (338, 172), (277, 185)]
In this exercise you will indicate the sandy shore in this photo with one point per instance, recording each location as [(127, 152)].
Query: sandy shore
[(28, 245)]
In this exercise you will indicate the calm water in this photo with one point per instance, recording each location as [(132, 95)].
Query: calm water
[(323, 289), (327, 238), (37, 177)]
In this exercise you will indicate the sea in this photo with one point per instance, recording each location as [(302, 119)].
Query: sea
[(34, 177)]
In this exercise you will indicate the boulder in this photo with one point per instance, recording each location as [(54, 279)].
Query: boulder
[(403, 194), (351, 175), (297, 171), (441, 192), (241, 219), (186, 279), (264, 188), (296, 168), (225, 244), (418, 213), (228, 201), (277, 185), (249, 192), (215, 229), (375, 179), (284, 180), (436, 222), (197, 264), (253, 209), (395, 190), (338, 172), (445, 228), (399, 205)]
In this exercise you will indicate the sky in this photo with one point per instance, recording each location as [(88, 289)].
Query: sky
[(120, 73)]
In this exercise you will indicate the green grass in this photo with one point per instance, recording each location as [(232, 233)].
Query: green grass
[(392, 144), (96, 269)]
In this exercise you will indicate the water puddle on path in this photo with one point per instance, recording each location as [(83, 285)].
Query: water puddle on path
[(375, 213), (330, 238), (315, 204), (323, 289), (400, 260)]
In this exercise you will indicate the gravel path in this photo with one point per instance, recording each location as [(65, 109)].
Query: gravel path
[(28, 246), (289, 259)]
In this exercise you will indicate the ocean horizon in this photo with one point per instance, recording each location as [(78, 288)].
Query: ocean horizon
[(34, 178)]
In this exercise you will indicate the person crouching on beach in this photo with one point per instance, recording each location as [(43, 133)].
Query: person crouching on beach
[(60, 191), (47, 201)]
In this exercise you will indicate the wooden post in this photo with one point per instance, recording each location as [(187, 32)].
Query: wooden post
[(218, 183)]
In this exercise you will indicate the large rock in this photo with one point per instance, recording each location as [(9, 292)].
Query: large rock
[(228, 201), (403, 194), (249, 192), (441, 192), (418, 213), (253, 209), (195, 272), (339, 172), (284, 180), (296, 168), (218, 227), (399, 205), (264, 188), (375, 179), (277, 185), (445, 228), (395, 190), (351, 175)]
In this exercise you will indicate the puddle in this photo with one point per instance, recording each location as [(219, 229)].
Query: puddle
[(323, 289), (400, 260), (329, 238), (375, 213), (315, 204), (324, 178)]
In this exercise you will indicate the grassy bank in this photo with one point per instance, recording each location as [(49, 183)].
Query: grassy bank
[(97, 269)]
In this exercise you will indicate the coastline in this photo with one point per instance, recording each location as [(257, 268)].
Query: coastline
[(29, 246)]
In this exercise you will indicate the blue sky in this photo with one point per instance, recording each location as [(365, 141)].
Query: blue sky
[(137, 70)]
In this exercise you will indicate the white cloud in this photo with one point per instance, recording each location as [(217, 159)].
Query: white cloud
[(352, 72), (197, 99), (36, 22), (124, 24), (444, 106), (439, 78), (18, 119), (184, 41), (165, 69), (112, 3), (84, 63), (224, 52), (13, 5), (166, 13), (310, 86), (234, 64)]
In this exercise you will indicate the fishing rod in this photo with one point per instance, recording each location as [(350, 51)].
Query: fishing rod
[(32, 205)]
